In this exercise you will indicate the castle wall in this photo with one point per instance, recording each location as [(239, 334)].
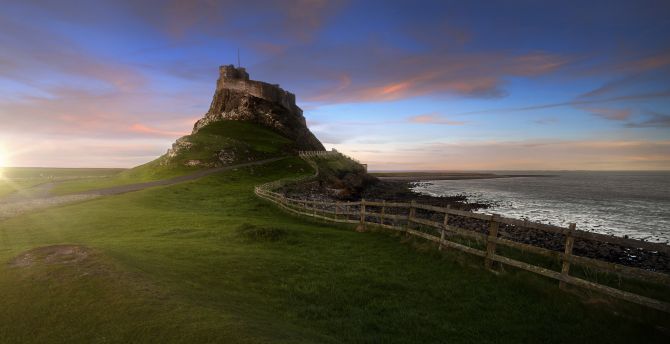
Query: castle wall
[(237, 79)]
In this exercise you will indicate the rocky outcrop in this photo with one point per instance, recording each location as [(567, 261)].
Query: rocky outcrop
[(239, 106), (240, 99)]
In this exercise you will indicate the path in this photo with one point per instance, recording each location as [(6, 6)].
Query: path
[(37, 198), (115, 190)]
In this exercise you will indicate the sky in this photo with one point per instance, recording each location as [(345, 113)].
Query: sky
[(400, 85)]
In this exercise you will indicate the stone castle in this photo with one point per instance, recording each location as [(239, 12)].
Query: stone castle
[(237, 79), (237, 98)]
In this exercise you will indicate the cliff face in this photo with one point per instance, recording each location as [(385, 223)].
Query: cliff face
[(252, 103), (240, 99)]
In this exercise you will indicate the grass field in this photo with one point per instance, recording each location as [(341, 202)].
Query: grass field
[(208, 262), (20, 178)]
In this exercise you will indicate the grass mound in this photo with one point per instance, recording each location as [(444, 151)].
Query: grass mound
[(243, 141)]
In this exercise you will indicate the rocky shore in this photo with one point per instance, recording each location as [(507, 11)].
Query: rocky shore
[(400, 191)]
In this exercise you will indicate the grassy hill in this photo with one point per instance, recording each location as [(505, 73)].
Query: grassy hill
[(251, 141)]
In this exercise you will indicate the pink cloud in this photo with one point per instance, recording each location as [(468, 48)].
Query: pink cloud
[(649, 62), (611, 114), (393, 75), (141, 128), (433, 118)]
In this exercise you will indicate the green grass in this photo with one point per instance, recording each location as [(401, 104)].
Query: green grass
[(251, 141), (256, 137), (14, 179), (208, 262), (7, 186)]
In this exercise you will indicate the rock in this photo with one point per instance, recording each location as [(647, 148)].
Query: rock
[(182, 144), (227, 157)]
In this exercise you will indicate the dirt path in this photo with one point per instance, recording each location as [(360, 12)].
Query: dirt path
[(115, 190), (38, 197)]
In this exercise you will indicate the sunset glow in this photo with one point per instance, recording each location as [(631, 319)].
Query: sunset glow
[(4, 158), (378, 82)]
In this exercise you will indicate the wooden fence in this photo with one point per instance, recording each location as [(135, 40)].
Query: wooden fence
[(307, 155), (420, 220), (315, 154)]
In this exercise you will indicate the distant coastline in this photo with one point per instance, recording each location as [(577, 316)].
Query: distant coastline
[(430, 175)]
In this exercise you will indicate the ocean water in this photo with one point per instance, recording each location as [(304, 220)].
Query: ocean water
[(636, 204)]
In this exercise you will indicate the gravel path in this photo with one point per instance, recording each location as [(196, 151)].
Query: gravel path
[(37, 198)]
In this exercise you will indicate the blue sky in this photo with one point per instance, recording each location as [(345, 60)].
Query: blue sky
[(418, 85)]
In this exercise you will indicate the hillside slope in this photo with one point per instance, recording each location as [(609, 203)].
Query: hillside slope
[(218, 144)]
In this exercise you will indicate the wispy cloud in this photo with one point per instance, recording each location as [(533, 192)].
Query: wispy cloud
[(545, 121), (433, 118), (575, 103), (653, 120), (290, 19), (32, 55)]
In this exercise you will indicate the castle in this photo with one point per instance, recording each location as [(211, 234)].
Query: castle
[(233, 78)]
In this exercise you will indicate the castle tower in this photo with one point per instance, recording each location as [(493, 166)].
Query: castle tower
[(231, 72)]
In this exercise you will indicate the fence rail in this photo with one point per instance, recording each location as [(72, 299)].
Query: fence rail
[(403, 217)]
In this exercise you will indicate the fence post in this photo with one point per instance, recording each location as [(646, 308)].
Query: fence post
[(412, 213), (337, 210), (569, 243), (381, 218), (444, 228), (361, 226), (314, 208), (490, 242)]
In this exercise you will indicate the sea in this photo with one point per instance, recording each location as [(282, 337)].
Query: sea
[(633, 204)]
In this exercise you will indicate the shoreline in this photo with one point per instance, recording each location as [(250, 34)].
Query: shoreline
[(400, 191)]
